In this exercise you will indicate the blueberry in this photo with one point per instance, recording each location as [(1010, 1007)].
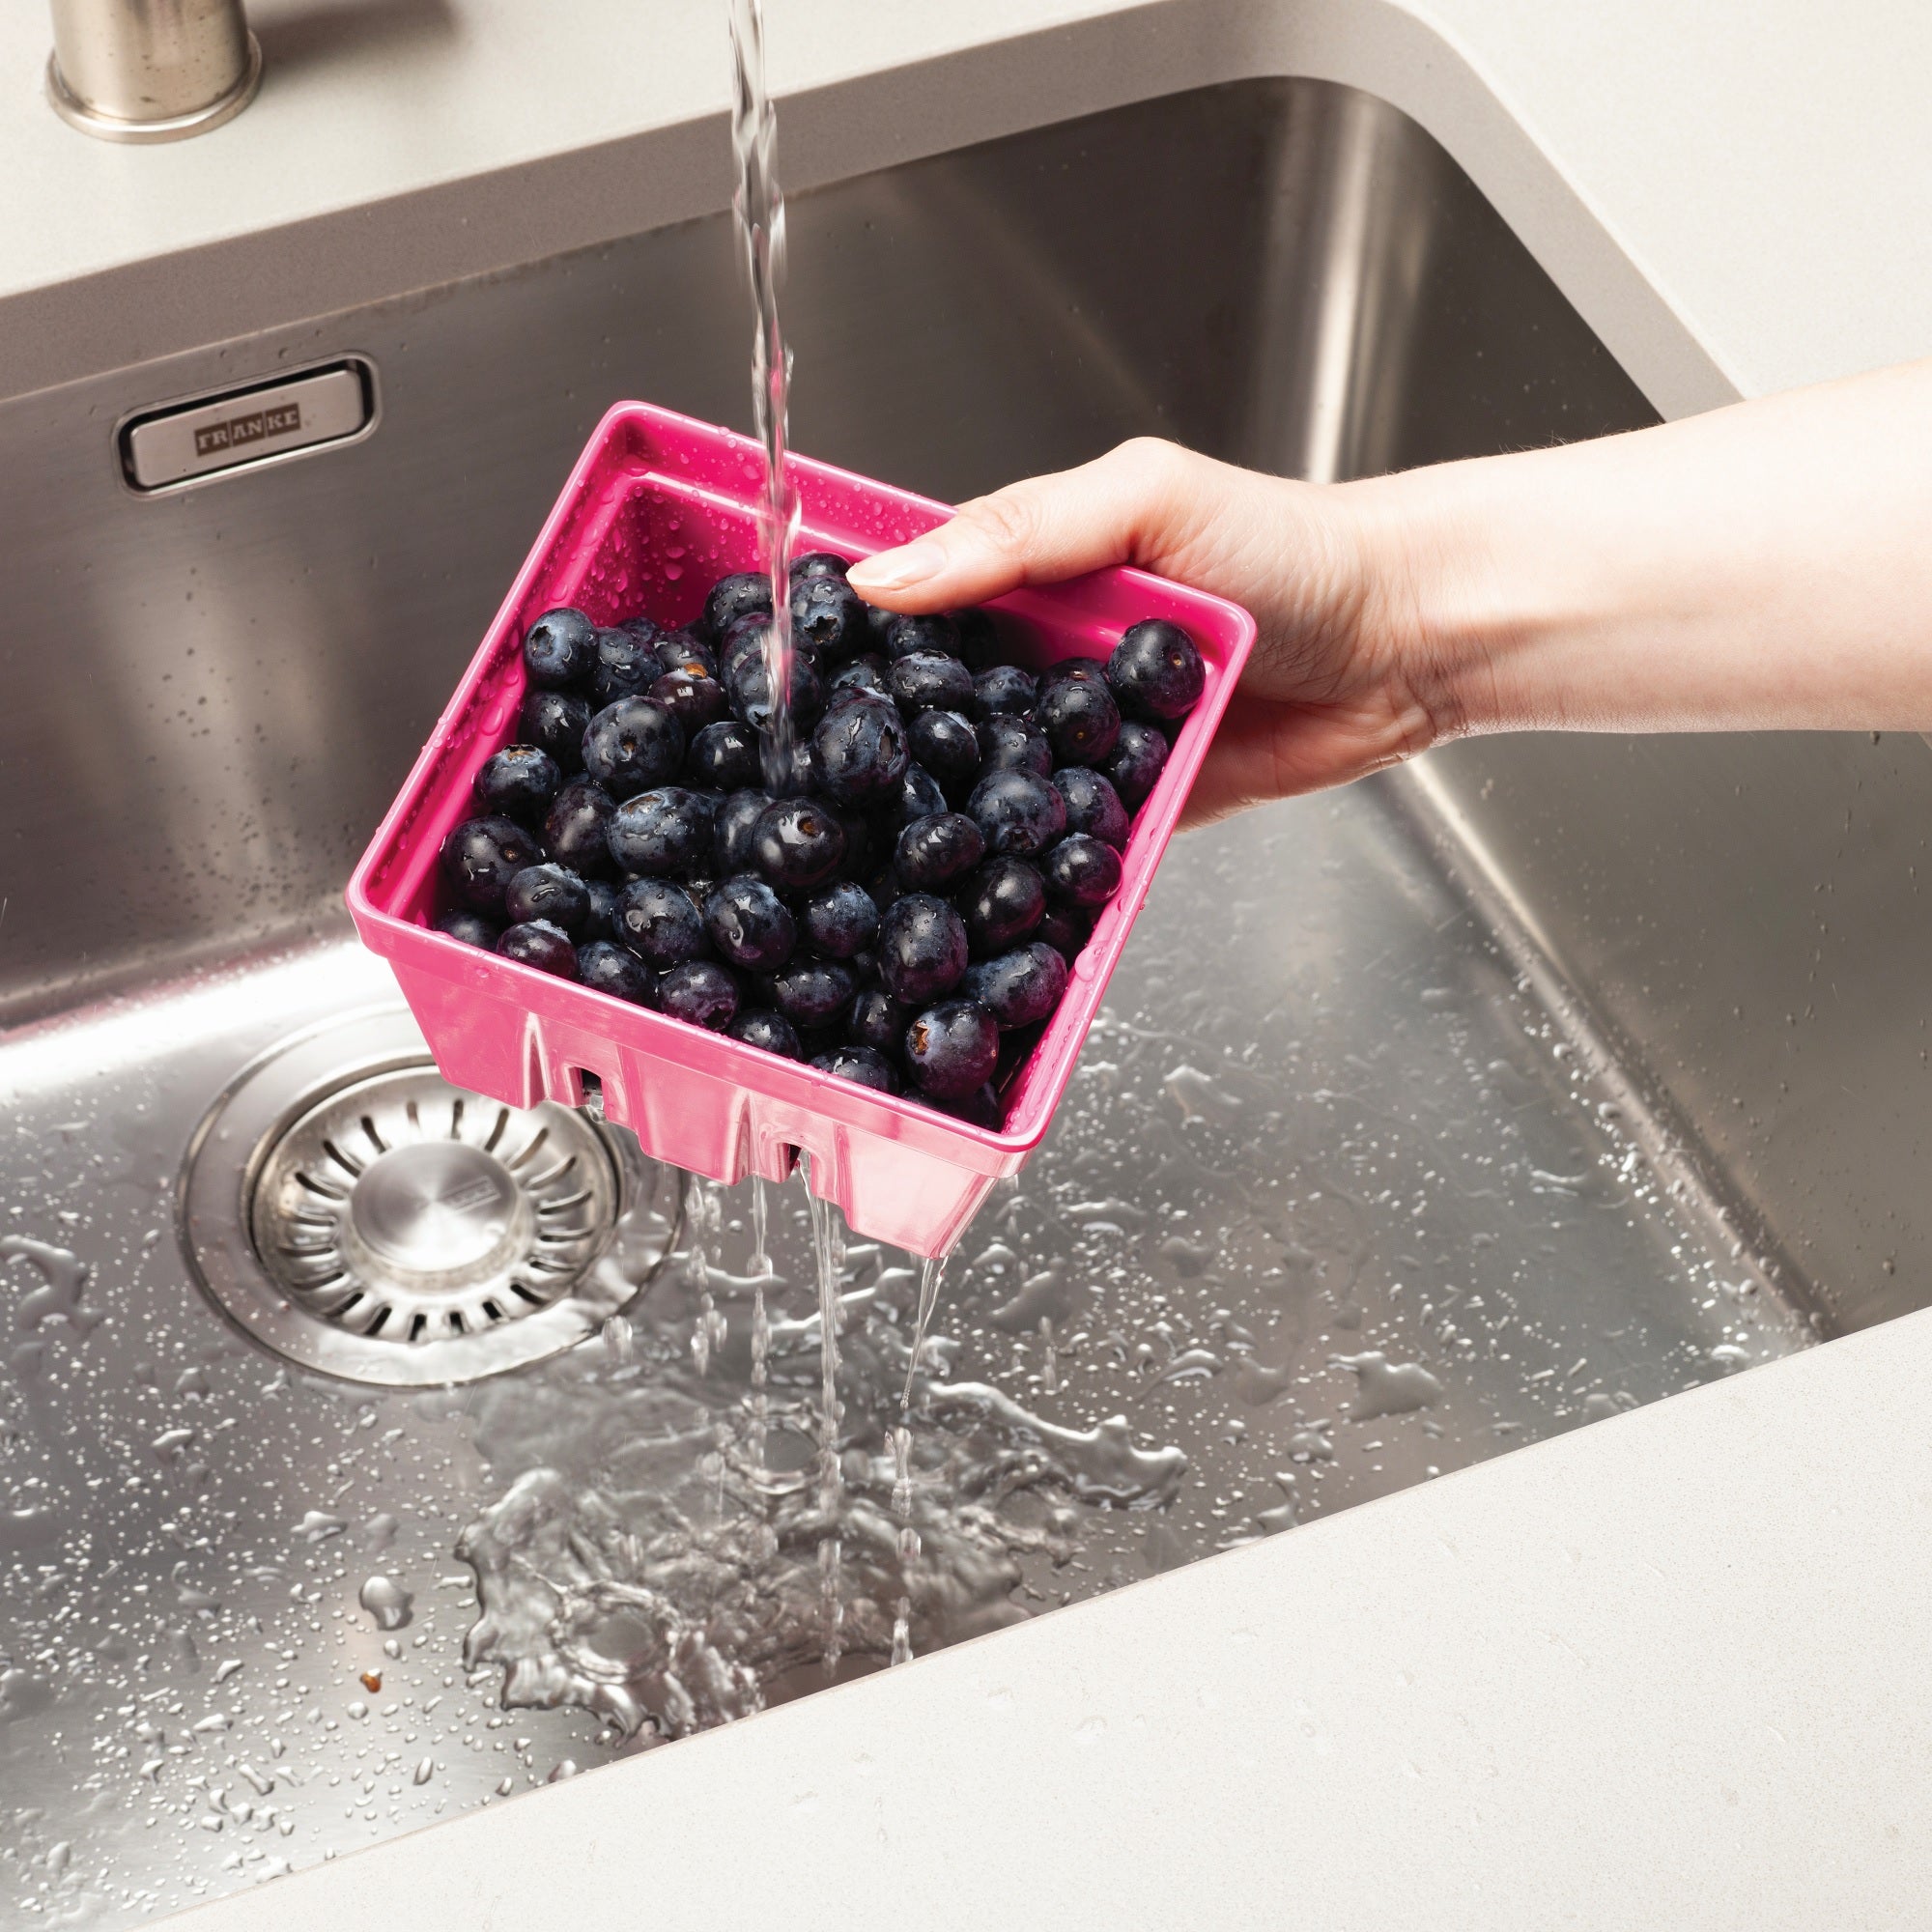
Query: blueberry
[(555, 722), (922, 948), (862, 750), (733, 597), (979, 638), (1155, 673), (1081, 872), (1079, 719), (929, 681), (771, 1031), (560, 649), (601, 921), (905, 635), (1073, 670), (471, 928), (864, 673), (664, 833), (538, 943), (701, 991), (949, 747), (877, 1020), (1004, 691), (750, 924), (1066, 929), (953, 1048), (980, 1109), (611, 970), (748, 687), (797, 842), (1000, 903), (724, 755), (1093, 806), (919, 794), (574, 825), (865, 1065), (732, 829), (480, 858), (518, 782), (658, 921), (1009, 744), (818, 564), (1140, 756), (631, 746), (840, 920), (551, 892), (696, 701), (745, 640), (828, 617), (814, 992), (627, 662), (934, 851), (1018, 813), (686, 650), (1018, 988)]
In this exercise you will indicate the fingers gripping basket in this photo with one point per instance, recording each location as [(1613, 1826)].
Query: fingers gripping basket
[(659, 507)]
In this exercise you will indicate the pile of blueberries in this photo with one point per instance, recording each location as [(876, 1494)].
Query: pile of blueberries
[(904, 911)]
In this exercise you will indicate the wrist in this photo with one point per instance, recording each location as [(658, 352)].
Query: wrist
[(1433, 618)]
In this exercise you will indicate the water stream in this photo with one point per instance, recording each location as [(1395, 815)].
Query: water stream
[(759, 204)]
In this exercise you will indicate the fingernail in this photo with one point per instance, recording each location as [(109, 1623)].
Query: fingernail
[(895, 569)]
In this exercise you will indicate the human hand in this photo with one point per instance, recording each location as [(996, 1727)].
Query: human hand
[(1332, 690)]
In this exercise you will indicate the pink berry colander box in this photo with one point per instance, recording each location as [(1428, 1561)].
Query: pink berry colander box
[(657, 508)]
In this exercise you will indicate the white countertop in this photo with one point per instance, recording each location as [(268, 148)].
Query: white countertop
[(1737, 197), (1666, 1671)]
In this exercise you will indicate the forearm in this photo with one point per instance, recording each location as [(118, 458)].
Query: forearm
[(1768, 565)]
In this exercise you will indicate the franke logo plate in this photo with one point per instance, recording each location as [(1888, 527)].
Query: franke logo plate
[(182, 443), (284, 419)]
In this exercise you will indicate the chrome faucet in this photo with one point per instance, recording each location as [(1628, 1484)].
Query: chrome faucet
[(150, 70)]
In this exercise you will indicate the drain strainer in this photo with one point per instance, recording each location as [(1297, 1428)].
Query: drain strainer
[(354, 1211)]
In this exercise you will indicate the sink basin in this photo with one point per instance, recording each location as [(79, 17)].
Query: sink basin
[(1504, 1097)]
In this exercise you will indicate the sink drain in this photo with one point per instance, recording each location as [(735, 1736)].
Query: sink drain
[(351, 1211)]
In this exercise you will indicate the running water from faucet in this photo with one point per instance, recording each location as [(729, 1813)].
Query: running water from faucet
[(760, 208)]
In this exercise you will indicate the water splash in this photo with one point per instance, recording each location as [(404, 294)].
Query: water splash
[(759, 203), (650, 1560)]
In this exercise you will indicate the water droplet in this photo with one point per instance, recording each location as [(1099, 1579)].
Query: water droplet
[(388, 1602)]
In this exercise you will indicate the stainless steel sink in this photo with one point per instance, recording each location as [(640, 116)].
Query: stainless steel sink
[(1510, 1098)]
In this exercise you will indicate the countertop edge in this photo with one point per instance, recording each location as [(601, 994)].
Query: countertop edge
[(492, 221)]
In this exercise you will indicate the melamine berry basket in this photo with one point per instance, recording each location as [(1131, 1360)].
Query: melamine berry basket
[(655, 509)]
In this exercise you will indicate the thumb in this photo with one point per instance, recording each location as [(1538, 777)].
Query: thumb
[(1128, 506)]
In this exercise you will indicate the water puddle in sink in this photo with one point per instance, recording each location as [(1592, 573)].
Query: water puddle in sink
[(653, 1561)]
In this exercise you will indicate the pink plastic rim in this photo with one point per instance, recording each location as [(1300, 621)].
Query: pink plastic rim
[(659, 507)]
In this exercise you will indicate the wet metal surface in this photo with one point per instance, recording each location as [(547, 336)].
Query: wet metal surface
[(1332, 1206)]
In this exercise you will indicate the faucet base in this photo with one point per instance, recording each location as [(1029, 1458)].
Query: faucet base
[(89, 120)]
